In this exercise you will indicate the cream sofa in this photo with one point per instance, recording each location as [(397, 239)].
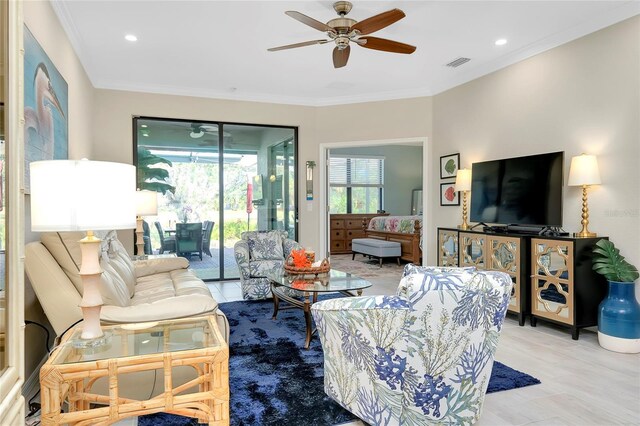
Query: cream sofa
[(132, 291)]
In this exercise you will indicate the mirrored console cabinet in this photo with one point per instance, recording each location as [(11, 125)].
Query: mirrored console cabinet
[(552, 276)]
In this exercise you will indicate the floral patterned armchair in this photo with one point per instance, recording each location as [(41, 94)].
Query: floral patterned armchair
[(257, 253), (422, 356)]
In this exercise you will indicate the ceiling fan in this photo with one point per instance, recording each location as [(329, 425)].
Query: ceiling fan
[(198, 130), (344, 31)]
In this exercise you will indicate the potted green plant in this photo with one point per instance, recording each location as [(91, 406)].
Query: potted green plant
[(619, 312), (153, 178)]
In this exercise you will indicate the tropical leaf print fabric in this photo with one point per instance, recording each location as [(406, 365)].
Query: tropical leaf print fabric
[(253, 270), (265, 245), (422, 356)]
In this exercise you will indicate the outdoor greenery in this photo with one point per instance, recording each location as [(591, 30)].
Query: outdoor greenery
[(196, 198), (608, 261)]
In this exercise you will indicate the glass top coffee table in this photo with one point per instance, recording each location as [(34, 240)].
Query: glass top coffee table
[(283, 285)]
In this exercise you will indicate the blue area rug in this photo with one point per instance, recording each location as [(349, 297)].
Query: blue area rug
[(274, 381)]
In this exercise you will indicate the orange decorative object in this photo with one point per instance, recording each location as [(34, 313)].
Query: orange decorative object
[(300, 259)]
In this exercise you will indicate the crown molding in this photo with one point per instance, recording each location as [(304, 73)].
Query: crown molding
[(262, 97), (64, 16), (625, 11)]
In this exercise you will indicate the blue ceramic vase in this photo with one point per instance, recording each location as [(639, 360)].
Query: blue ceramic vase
[(619, 319)]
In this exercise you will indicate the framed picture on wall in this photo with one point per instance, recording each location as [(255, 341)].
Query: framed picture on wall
[(449, 165), (449, 195), (46, 107)]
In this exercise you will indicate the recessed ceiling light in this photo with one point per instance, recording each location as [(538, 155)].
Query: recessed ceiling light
[(130, 37), (501, 42), (144, 126)]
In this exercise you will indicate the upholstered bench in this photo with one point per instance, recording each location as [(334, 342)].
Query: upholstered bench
[(376, 248)]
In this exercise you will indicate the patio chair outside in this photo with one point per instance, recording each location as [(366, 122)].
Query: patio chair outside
[(167, 243), (189, 239), (206, 236)]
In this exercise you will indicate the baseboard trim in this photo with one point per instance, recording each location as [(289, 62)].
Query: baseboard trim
[(32, 384)]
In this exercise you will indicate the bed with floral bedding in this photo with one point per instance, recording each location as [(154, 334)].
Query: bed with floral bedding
[(407, 230)]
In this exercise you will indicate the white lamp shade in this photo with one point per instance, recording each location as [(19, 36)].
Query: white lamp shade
[(146, 203), (584, 171), (463, 180), (71, 195)]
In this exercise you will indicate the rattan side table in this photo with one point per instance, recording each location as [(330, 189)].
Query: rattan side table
[(70, 372)]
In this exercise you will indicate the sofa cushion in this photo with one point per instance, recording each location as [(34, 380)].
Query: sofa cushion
[(180, 282), (265, 245), (114, 253), (117, 281)]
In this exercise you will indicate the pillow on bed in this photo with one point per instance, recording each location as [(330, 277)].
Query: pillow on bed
[(411, 268)]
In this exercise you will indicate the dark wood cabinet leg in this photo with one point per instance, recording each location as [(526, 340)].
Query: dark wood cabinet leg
[(575, 333), (534, 321), (354, 255), (521, 318)]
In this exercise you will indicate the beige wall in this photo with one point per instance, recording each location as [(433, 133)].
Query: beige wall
[(43, 23), (372, 121), (113, 123), (583, 96)]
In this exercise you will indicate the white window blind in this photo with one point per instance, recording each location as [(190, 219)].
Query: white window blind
[(356, 171)]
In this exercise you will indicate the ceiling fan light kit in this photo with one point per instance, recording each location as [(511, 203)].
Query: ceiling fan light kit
[(343, 31)]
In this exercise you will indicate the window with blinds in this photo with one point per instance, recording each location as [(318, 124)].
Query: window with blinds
[(356, 184)]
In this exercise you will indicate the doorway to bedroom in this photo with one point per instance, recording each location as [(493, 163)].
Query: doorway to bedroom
[(366, 179)]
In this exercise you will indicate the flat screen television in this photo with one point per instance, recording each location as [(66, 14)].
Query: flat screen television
[(519, 191)]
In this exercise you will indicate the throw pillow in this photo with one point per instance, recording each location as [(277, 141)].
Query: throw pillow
[(266, 246)]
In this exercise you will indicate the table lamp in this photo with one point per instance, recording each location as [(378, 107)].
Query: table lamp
[(146, 205), (72, 195), (584, 172), (463, 184)]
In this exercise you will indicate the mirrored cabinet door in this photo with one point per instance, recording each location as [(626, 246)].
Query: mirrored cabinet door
[(552, 280), (504, 256), (472, 248), (447, 247)]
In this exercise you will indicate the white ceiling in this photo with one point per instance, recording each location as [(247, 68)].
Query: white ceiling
[(218, 49)]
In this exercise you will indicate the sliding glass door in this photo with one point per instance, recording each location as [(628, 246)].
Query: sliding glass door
[(238, 177)]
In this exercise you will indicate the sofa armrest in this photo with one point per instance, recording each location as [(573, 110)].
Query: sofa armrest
[(157, 266), (170, 308), (242, 254)]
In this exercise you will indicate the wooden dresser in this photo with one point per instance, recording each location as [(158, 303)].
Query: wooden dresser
[(346, 227)]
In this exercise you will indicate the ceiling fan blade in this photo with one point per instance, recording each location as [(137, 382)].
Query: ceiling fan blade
[(304, 43), (386, 45), (378, 22), (340, 57), (309, 21)]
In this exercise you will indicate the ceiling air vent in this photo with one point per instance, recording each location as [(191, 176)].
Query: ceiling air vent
[(457, 62)]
